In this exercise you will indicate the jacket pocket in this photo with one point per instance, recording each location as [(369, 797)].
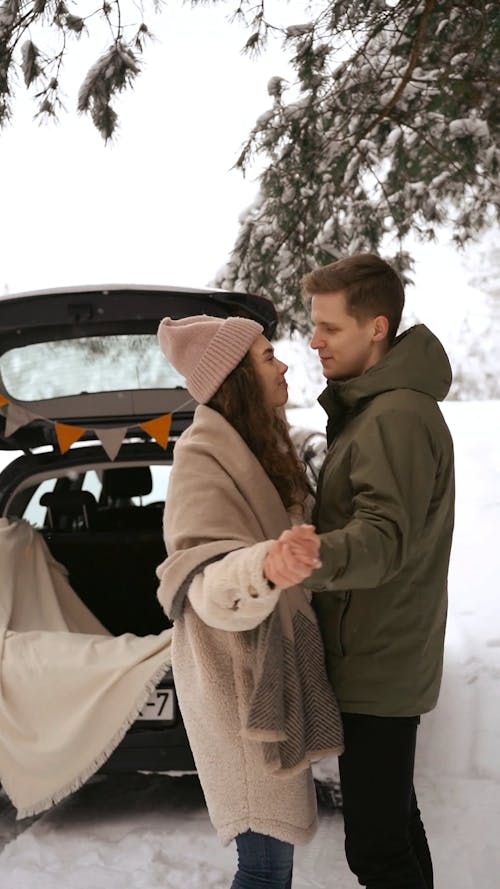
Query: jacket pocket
[(342, 623)]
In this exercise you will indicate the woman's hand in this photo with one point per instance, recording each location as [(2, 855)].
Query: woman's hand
[(292, 557)]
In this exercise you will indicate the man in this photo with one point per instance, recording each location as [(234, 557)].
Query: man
[(384, 514)]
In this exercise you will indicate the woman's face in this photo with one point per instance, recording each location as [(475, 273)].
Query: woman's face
[(270, 371)]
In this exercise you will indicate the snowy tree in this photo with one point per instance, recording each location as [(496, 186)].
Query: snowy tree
[(476, 353), (391, 127), (388, 126), (28, 25)]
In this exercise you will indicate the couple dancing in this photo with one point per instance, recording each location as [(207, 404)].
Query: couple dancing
[(269, 677)]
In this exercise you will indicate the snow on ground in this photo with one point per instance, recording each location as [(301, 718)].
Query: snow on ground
[(153, 831)]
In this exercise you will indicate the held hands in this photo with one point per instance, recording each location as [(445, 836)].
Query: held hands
[(292, 557)]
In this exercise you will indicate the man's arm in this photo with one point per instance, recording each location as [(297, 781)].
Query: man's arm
[(392, 475)]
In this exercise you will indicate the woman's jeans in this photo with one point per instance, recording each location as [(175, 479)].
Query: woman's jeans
[(385, 841), (263, 862)]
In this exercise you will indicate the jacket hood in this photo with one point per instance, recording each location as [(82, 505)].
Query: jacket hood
[(417, 361)]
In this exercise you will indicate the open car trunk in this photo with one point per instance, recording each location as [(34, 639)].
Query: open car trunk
[(93, 405)]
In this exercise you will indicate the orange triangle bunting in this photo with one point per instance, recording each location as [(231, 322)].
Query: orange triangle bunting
[(67, 435), (159, 429), (3, 401)]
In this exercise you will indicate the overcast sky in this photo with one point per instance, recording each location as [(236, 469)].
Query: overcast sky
[(161, 204)]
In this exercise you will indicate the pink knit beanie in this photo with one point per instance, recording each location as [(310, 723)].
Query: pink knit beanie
[(205, 349)]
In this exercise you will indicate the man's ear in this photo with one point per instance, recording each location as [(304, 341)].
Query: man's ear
[(380, 328)]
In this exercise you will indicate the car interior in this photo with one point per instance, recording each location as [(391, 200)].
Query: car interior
[(110, 545)]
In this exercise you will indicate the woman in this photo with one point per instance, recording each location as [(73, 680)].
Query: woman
[(247, 656)]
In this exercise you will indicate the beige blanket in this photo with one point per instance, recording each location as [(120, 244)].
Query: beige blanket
[(68, 690)]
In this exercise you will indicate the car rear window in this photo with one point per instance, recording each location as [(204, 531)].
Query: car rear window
[(91, 481), (87, 365)]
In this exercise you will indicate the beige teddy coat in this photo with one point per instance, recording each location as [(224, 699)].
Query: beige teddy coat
[(221, 505)]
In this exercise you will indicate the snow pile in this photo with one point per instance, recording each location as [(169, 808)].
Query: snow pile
[(153, 834)]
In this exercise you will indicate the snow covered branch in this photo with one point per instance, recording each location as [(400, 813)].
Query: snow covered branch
[(25, 25), (391, 127)]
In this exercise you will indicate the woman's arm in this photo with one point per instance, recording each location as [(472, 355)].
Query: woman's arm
[(239, 591), (233, 593)]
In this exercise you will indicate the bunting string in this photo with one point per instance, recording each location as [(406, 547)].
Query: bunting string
[(111, 439)]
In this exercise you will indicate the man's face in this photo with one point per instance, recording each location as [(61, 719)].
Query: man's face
[(346, 347)]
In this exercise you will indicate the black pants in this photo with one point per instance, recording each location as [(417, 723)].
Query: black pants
[(385, 841)]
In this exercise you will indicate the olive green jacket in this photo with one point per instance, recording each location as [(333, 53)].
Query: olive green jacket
[(385, 511)]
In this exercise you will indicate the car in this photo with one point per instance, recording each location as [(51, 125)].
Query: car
[(96, 410)]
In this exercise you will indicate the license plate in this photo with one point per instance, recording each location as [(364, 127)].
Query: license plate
[(160, 705)]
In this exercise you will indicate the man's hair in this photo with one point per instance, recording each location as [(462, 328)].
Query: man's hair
[(240, 399), (372, 287)]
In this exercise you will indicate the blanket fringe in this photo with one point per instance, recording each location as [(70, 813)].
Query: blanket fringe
[(94, 766)]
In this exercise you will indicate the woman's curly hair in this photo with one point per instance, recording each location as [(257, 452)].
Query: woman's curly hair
[(241, 401)]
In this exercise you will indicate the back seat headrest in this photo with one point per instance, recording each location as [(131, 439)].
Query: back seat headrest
[(68, 505), (127, 481)]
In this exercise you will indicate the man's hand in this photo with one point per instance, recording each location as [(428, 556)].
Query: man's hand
[(292, 557)]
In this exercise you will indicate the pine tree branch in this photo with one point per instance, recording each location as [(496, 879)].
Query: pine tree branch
[(412, 64)]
